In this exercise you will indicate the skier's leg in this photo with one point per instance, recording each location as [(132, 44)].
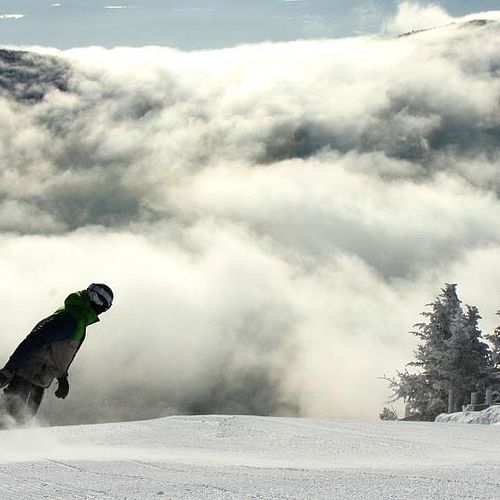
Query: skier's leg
[(14, 398), (22, 399), (33, 401)]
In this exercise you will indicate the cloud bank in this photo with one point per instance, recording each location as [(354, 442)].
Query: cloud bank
[(121, 7), (272, 217), (412, 16), (12, 16)]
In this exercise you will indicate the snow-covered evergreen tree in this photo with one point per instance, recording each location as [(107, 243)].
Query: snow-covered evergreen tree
[(494, 364), (422, 398), (479, 354), (388, 414), (451, 361), (464, 368)]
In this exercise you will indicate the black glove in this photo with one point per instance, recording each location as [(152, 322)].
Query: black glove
[(62, 387), (5, 377)]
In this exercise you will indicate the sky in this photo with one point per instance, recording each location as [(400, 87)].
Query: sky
[(195, 24), (273, 217)]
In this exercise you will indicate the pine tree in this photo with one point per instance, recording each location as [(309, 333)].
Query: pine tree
[(464, 366), (494, 362), (451, 360), (432, 355), (479, 354), (388, 414), (422, 399)]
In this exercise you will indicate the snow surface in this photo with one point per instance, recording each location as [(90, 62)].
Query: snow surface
[(244, 457), (489, 416)]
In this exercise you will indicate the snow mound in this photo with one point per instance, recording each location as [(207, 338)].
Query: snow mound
[(489, 416)]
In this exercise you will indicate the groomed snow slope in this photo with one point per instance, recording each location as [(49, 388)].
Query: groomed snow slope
[(239, 457)]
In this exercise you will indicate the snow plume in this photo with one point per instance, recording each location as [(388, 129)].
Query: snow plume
[(272, 218)]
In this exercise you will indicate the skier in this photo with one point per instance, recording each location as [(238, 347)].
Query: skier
[(48, 351)]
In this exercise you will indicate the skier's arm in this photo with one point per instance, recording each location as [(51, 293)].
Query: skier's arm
[(57, 327)]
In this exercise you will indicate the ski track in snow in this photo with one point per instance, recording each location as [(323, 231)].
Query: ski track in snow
[(244, 457)]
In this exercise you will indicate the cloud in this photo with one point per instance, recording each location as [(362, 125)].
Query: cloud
[(413, 16), (121, 7), (12, 16), (272, 217)]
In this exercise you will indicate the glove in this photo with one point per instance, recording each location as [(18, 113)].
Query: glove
[(62, 387), (5, 377)]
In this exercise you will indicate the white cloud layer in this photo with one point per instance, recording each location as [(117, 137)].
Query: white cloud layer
[(12, 16), (412, 16), (272, 217), (121, 7)]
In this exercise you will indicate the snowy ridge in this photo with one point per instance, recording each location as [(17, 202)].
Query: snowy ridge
[(231, 457), (489, 416)]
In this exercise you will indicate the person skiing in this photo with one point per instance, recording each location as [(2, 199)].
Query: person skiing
[(48, 351)]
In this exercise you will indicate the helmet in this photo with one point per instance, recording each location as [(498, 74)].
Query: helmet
[(100, 295)]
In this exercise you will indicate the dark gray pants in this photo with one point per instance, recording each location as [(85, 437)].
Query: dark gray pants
[(22, 399)]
